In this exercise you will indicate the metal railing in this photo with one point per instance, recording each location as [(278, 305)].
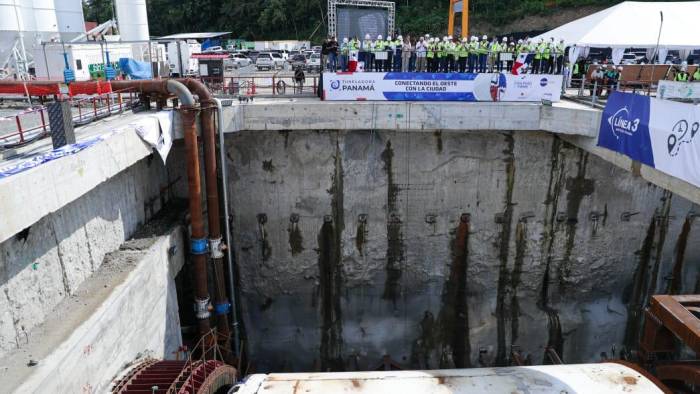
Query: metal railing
[(28, 126), (595, 91), (257, 85)]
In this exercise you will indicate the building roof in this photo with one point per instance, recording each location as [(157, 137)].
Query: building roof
[(194, 36)]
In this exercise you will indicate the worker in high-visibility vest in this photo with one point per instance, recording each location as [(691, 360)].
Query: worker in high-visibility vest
[(513, 55), (682, 75), (473, 54), (442, 55), (494, 53), (450, 51), (539, 51), (344, 54), (463, 55), (548, 57), (376, 49), (483, 53), (560, 49), (430, 55), (365, 54), (696, 74)]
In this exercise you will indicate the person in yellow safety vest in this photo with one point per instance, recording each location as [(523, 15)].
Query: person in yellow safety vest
[(473, 55), (539, 51), (696, 74), (450, 51), (366, 56), (548, 57), (483, 53), (430, 55), (513, 55), (561, 48), (494, 52), (442, 54), (462, 55), (682, 75), (344, 54), (501, 47), (376, 49), (398, 53)]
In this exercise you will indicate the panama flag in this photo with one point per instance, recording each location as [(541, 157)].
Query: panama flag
[(519, 63)]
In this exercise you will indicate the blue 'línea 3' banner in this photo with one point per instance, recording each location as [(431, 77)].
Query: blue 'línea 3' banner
[(659, 133), (396, 86)]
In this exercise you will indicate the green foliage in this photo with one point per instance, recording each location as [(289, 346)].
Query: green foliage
[(306, 19), (99, 11)]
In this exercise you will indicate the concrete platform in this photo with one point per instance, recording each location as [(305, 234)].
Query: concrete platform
[(125, 310)]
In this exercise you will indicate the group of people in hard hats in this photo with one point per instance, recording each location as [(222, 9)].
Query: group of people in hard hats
[(448, 54)]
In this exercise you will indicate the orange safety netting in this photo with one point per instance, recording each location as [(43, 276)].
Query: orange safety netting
[(44, 89), (91, 87)]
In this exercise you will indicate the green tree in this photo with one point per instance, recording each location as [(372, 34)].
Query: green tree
[(99, 11)]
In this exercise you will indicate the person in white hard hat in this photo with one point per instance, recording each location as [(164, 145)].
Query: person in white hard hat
[(513, 54), (365, 54), (473, 54), (559, 56), (344, 54), (379, 47), (450, 54), (483, 53), (682, 75)]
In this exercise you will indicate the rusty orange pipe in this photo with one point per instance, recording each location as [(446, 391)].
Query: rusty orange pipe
[(198, 235)]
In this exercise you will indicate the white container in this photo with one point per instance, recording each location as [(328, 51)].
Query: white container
[(69, 15), (132, 19)]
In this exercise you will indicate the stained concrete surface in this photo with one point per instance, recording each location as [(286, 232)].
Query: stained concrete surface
[(48, 260), (356, 244), (127, 309)]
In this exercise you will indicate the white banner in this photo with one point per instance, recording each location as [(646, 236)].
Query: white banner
[(675, 140), (441, 87), (678, 90)]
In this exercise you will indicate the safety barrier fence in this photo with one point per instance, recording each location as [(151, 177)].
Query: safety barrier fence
[(596, 91), (250, 86), (27, 126)]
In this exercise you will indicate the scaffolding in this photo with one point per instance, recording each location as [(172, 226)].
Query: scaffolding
[(333, 16)]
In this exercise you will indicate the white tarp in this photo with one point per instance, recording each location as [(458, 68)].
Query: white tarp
[(160, 137), (634, 24)]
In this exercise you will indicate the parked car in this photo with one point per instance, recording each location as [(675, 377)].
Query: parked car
[(269, 61), (240, 60), (297, 60), (313, 63), (214, 49), (278, 58), (316, 49)]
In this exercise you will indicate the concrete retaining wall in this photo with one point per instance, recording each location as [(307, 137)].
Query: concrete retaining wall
[(355, 244), (126, 310), (48, 260)]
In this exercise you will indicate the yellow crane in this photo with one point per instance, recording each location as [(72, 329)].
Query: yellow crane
[(457, 7)]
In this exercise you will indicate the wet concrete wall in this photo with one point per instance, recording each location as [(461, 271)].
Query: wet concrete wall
[(445, 249)]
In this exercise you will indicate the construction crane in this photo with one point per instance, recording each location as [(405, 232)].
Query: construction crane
[(459, 6)]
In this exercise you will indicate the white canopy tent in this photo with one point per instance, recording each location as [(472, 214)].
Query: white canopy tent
[(633, 24)]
